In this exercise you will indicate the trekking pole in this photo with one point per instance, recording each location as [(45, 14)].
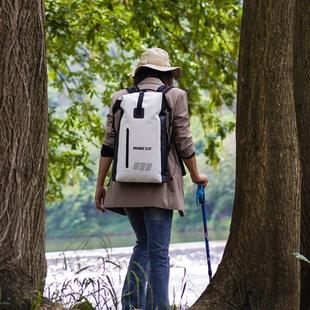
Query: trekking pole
[(200, 200)]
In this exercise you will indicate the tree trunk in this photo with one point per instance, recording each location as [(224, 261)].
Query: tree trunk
[(258, 269), (23, 149), (302, 102)]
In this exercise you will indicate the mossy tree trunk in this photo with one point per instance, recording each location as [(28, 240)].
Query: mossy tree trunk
[(23, 149), (258, 269), (302, 102)]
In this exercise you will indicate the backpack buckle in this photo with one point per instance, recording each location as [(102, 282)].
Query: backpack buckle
[(138, 113)]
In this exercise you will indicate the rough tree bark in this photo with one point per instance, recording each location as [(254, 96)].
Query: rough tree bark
[(258, 270), (23, 149), (302, 102)]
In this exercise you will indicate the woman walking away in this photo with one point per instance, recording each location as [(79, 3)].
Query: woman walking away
[(148, 138)]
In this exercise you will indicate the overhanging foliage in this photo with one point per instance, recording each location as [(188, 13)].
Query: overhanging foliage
[(93, 44)]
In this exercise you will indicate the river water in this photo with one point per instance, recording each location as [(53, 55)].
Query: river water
[(98, 275)]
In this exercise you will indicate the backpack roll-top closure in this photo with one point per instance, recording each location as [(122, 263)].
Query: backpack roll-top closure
[(138, 112)]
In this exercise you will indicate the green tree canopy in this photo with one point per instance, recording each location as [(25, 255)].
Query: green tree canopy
[(93, 44)]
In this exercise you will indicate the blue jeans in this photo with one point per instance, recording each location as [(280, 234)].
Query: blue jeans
[(149, 264)]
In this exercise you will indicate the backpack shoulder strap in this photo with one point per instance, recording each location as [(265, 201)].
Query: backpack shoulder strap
[(116, 106), (163, 88), (133, 89)]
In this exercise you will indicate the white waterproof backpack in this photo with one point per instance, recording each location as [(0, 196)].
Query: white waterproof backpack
[(142, 136)]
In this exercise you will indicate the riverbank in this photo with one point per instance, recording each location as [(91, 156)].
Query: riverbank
[(125, 240), (98, 274)]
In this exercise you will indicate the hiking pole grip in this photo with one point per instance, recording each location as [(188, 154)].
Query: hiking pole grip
[(200, 194)]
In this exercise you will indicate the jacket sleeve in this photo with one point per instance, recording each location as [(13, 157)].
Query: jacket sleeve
[(181, 127), (107, 149)]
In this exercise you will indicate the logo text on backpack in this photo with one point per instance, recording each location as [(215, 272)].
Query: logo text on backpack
[(142, 148)]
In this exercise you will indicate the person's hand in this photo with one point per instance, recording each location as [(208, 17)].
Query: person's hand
[(99, 198), (200, 178)]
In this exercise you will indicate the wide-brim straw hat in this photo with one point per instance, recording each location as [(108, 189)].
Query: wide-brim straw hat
[(157, 59)]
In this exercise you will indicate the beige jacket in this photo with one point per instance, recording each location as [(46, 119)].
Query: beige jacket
[(166, 195)]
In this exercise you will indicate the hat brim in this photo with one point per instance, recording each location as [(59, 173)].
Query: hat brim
[(176, 71)]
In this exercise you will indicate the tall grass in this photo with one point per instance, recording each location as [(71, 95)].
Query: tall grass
[(96, 292), (99, 291)]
